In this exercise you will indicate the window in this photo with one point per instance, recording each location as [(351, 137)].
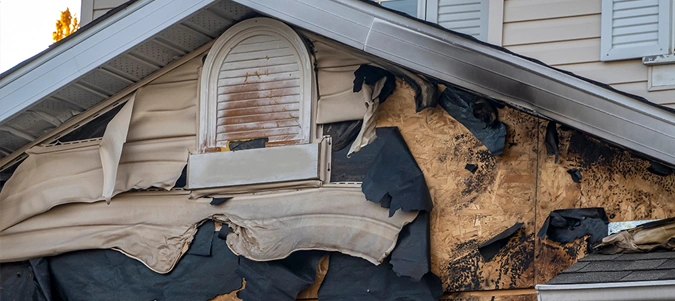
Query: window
[(464, 16), (257, 85), (635, 28)]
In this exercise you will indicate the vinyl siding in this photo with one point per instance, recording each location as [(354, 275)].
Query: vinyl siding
[(92, 9), (566, 35)]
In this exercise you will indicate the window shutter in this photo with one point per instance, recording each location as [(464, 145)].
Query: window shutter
[(634, 28), (465, 16), (257, 84)]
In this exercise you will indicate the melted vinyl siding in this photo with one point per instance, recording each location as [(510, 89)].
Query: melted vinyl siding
[(566, 34)]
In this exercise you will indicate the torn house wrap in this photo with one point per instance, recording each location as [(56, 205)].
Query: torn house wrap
[(460, 105), (566, 225)]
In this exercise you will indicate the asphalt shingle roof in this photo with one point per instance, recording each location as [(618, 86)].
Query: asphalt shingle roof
[(597, 268)]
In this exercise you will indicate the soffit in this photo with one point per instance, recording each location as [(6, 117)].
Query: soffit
[(122, 48)]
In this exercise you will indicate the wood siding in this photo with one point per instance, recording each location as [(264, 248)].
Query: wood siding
[(566, 35)]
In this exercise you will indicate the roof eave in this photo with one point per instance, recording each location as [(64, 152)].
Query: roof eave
[(616, 291), (599, 111), (45, 74)]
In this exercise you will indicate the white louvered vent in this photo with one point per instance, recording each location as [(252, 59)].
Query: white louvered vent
[(259, 92), (634, 28), (465, 16), (256, 83)]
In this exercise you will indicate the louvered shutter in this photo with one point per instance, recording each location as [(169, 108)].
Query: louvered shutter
[(634, 28), (259, 86), (465, 16)]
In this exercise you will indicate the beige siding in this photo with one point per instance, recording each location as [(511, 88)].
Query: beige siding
[(566, 34), (92, 9)]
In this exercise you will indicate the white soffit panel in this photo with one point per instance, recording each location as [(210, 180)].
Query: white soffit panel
[(537, 88)]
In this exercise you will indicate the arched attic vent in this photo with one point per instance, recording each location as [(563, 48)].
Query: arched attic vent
[(256, 83)]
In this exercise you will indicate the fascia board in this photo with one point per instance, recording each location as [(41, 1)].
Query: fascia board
[(618, 291), (539, 89), (112, 37)]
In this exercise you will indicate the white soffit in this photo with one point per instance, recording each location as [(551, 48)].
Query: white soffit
[(103, 59), (594, 109)]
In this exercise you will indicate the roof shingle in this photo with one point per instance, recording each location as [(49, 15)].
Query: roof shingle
[(597, 268)]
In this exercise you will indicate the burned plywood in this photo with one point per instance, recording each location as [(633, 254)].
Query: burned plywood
[(612, 179), (471, 208)]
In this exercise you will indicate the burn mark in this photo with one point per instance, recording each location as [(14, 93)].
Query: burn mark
[(484, 177)]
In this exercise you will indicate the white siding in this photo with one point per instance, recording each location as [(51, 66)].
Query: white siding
[(92, 9), (566, 35)]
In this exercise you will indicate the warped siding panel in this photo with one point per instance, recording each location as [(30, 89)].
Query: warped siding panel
[(528, 10), (541, 31), (562, 52), (614, 73)]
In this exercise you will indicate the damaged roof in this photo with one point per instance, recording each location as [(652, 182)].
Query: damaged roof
[(44, 98), (599, 268)]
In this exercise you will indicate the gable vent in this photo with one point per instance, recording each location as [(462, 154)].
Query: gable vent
[(259, 85), (465, 16), (634, 28)]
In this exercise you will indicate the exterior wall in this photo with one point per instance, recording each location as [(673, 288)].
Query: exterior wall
[(92, 9), (566, 34)]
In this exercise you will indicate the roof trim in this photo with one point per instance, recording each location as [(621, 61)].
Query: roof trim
[(639, 290), (592, 107), (91, 48)]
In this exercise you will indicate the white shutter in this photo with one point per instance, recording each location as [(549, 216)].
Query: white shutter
[(634, 28), (465, 16)]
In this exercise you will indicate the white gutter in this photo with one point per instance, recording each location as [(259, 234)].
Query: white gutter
[(593, 109), (619, 291), (89, 50)]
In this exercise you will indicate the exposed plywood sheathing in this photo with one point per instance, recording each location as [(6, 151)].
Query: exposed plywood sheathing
[(566, 34), (471, 208), (521, 185), (611, 178)]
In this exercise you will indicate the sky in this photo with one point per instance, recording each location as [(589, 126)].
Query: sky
[(26, 27)]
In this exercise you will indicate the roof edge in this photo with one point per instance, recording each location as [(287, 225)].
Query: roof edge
[(595, 108), (620, 291)]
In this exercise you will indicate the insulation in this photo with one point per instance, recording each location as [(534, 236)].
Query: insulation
[(156, 228), (643, 238), (145, 145)]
